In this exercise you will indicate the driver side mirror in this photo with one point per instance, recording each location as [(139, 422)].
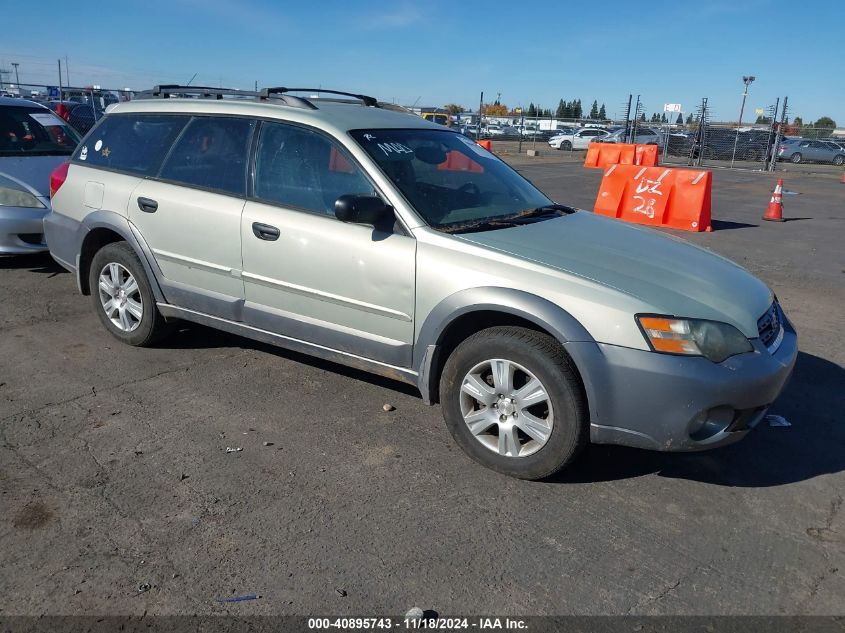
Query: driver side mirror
[(363, 209)]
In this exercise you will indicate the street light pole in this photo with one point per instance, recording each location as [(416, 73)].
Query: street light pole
[(747, 80), (17, 79)]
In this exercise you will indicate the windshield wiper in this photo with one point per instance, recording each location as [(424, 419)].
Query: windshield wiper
[(477, 226), (537, 212), (508, 221)]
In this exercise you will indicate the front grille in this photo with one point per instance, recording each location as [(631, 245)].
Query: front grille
[(769, 325), (36, 239)]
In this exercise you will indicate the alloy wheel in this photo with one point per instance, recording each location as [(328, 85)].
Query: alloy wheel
[(506, 408), (120, 297)]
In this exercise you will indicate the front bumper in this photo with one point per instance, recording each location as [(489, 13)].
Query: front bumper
[(22, 231), (680, 403)]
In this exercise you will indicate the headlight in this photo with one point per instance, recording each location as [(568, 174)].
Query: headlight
[(694, 337), (17, 198)]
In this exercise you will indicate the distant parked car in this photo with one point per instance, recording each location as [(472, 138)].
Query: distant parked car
[(33, 142), (806, 150), (644, 136), (578, 140)]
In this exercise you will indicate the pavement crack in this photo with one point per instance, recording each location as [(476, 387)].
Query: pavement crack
[(93, 392)]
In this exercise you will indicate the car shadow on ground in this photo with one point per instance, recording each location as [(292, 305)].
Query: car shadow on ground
[(767, 456), (38, 263)]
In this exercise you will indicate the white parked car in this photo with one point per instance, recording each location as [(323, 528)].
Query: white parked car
[(644, 136), (577, 140)]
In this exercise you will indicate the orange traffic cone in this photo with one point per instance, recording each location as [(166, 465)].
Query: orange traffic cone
[(843, 178), (775, 210)]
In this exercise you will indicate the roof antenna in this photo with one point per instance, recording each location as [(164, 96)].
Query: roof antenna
[(191, 79)]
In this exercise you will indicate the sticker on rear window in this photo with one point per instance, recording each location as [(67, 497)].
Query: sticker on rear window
[(83, 153), (46, 118), (98, 145)]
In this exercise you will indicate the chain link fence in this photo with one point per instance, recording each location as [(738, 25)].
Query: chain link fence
[(684, 139)]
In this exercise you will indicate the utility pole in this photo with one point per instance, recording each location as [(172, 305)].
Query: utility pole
[(747, 80), (67, 72), (17, 78), (61, 90)]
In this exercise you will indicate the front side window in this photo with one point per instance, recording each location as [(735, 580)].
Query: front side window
[(34, 131), (450, 181), (211, 153), (131, 142), (296, 167)]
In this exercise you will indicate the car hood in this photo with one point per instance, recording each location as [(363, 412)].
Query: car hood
[(29, 173), (669, 275)]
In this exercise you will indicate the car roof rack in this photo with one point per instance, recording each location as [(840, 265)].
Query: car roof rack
[(166, 91), (371, 102), (280, 93)]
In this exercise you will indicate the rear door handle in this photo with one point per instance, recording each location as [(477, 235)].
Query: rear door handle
[(147, 205), (265, 232)]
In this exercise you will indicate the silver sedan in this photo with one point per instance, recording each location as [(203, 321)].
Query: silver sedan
[(33, 142)]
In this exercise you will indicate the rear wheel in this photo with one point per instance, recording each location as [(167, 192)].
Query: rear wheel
[(839, 160), (123, 298), (796, 158), (512, 401)]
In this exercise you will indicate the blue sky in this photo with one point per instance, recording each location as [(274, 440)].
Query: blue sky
[(436, 52)]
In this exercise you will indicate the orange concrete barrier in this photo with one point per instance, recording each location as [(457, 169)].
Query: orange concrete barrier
[(657, 196), (601, 155), (488, 145)]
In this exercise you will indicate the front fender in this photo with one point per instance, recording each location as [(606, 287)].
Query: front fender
[(541, 312)]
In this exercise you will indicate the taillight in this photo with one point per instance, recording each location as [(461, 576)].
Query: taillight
[(58, 177), (63, 111)]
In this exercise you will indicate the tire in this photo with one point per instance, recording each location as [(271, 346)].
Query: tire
[(133, 317), (796, 158), (839, 160), (556, 416), (566, 145)]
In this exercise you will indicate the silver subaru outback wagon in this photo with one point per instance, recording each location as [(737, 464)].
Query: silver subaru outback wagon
[(350, 231)]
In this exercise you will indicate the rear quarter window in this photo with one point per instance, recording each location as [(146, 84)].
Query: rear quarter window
[(131, 143)]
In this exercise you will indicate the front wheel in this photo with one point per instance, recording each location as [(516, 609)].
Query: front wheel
[(512, 401), (566, 145), (796, 158), (123, 298), (839, 160)]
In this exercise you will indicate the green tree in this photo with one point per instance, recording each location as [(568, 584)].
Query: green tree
[(532, 110), (680, 119), (763, 119), (577, 110), (825, 121), (560, 113), (663, 118), (798, 121), (642, 117), (689, 118), (602, 113), (454, 108), (594, 110)]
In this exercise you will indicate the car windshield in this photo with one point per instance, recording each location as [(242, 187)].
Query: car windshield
[(453, 183), (34, 131)]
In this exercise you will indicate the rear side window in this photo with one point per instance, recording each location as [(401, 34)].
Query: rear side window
[(211, 153), (131, 143)]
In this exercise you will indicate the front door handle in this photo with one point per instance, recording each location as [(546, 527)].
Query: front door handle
[(265, 232), (147, 205)]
